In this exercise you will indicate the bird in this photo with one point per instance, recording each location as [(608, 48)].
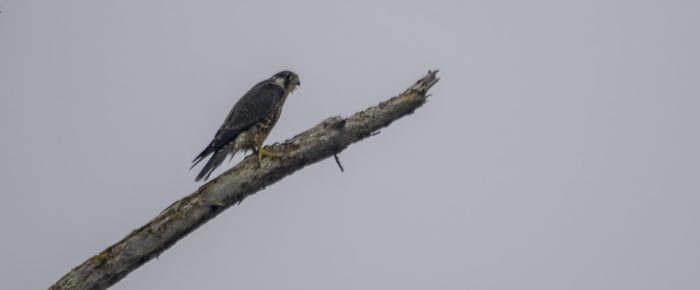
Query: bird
[(249, 122)]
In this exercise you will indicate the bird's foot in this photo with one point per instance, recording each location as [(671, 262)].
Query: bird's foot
[(262, 152)]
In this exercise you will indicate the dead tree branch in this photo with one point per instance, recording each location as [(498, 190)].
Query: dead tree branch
[(184, 216)]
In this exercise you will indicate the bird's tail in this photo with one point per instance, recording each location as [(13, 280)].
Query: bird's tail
[(200, 157), (214, 162)]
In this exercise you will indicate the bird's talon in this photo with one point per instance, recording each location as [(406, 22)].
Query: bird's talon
[(262, 152)]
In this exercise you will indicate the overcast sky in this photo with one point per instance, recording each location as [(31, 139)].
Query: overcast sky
[(559, 150)]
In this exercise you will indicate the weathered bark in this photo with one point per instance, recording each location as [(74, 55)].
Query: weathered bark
[(248, 177)]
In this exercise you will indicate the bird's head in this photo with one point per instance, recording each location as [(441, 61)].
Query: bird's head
[(287, 79)]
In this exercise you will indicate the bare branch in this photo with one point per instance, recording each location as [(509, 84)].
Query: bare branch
[(326, 139)]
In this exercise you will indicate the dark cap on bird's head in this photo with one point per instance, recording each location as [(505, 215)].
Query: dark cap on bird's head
[(288, 78)]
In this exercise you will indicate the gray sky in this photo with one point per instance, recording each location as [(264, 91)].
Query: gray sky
[(559, 150)]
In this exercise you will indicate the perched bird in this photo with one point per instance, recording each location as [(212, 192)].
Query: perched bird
[(249, 122)]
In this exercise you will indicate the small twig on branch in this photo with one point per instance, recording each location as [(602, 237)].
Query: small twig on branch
[(327, 139), (337, 161)]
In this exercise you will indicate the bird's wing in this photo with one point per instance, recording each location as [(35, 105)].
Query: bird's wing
[(254, 106)]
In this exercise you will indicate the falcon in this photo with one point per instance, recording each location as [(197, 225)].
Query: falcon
[(250, 121)]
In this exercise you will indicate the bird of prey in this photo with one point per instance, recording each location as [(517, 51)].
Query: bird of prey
[(249, 122)]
